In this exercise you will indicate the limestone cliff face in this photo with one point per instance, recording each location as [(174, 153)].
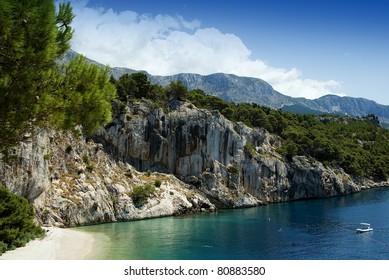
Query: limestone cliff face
[(73, 182), (193, 160), (236, 166)]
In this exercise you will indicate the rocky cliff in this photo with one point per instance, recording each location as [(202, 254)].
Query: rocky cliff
[(188, 159), (234, 165), (71, 182)]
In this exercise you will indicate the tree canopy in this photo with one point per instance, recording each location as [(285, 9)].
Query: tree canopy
[(32, 83)]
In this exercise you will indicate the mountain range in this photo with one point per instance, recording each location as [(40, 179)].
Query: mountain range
[(239, 89)]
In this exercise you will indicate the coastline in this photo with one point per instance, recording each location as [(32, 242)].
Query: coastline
[(58, 244)]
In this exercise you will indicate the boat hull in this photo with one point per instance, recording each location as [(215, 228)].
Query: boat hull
[(362, 230)]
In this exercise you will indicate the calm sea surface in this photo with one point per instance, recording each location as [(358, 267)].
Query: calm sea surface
[(316, 229)]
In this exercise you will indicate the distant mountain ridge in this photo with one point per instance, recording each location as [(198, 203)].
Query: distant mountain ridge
[(349, 105), (239, 89)]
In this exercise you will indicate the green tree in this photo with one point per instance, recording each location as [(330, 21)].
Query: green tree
[(177, 90), (135, 85), (142, 84), (34, 90), (290, 149), (126, 87), (32, 37), (84, 97)]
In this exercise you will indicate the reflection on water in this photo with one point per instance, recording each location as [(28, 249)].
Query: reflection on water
[(314, 229)]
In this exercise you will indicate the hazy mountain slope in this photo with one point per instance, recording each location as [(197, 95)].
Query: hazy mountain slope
[(347, 105)]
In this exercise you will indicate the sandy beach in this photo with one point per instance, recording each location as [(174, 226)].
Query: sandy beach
[(58, 244)]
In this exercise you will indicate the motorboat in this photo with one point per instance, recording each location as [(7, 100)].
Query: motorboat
[(365, 227)]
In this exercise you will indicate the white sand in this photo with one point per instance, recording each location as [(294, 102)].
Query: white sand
[(58, 244)]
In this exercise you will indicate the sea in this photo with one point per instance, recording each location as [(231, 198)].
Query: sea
[(320, 229)]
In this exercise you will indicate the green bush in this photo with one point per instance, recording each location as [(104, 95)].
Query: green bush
[(3, 247), (141, 194), (17, 225)]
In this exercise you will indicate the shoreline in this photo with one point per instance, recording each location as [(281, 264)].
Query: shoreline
[(58, 244)]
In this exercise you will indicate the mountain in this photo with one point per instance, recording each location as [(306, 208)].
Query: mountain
[(347, 105), (231, 88), (253, 90)]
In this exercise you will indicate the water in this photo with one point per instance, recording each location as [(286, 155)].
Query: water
[(316, 229)]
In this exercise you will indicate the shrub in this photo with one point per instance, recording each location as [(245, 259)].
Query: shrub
[(3, 247), (157, 183), (17, 225), (141, 194)]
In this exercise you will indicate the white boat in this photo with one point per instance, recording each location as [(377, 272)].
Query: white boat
[(365, 227)]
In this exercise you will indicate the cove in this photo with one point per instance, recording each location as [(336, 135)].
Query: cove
[(321, 229)]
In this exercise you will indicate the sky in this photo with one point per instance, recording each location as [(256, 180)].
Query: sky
[(303, 48)]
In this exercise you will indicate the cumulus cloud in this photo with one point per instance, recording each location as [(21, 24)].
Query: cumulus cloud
[(165, 45)]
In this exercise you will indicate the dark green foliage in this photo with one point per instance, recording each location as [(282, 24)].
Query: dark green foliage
[(32, 37), (141, 194), (16, 221), (177, 90), (135, 85), (84, 97), (289, 149), (65, 32), (34, 90)]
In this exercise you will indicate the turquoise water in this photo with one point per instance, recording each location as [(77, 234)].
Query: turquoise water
[(315, 229)]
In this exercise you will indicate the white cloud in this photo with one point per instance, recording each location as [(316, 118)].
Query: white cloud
[(165, 45)]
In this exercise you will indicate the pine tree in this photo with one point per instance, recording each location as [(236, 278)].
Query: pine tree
[(83, 98), (34, 90), (30, 42)]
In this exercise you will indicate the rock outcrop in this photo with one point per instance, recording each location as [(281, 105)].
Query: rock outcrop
[(71, 182), (236, 166), (188, 160)]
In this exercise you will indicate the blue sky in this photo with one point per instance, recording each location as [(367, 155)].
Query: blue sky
[(302, 48)]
